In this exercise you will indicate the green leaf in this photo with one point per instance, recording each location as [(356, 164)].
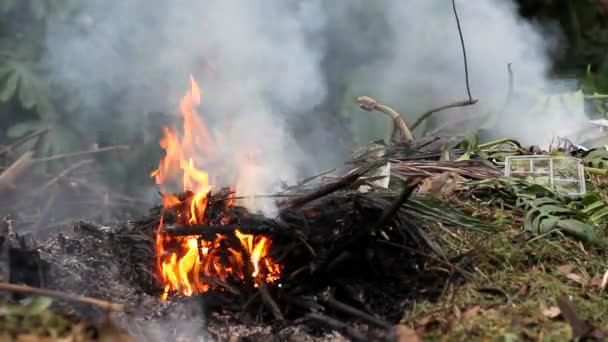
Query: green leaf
[(445, 153), (37, 305), (599, 215), (579, 230), (592, 207), (465, 156)]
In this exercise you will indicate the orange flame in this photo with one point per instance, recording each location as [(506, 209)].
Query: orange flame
[(185, 262)]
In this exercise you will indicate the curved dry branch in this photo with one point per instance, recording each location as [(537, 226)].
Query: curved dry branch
[(428, 113), (369, 104)]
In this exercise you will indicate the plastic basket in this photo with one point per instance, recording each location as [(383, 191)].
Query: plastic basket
[(561, 174)]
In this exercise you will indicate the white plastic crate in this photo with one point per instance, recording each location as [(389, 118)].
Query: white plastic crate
[(562, 174)]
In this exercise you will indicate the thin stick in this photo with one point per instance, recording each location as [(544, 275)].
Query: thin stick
[(580, 328), (322, 191), (61, 295), (209, 231), (22, 140), (390, 211), (66, 172), (345, 308), (82, 153), (427, 114), (338, 325), (272, 305), (464, 50)]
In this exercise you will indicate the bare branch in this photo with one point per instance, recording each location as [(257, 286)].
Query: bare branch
[(61, 295), (369, 104), (428, 113)]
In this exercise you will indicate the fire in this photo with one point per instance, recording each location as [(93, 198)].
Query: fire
[(186, 264)]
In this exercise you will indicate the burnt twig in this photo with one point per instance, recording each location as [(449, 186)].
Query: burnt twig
[(322, 191), (330, 301), (218, 283), (272, 305), (389, 212), (61, 295), (210, 231), (338, 325)]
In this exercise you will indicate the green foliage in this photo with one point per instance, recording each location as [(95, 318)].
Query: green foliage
[(596, 158), (32, 98), (545, 211), (431, 208), (495, 151), (594, 207), (32, 317), (26, 86)]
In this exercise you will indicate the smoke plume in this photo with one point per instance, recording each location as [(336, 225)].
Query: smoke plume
[(257, 62), (264, 65), (420, 66)]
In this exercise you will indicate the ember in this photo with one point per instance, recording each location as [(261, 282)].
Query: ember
[(184, 262)]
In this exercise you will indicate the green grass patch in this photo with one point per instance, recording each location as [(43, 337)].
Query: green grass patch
[(511, 293)]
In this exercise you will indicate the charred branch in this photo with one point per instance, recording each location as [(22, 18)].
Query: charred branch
[(272, 305), (323, 190), (333, 303), (333, 323), (210, 231)]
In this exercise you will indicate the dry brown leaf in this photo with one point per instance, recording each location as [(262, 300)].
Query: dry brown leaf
[(404, 333), (425, 320), (443, 184), (567, 268), (522, 291), (576, 278), (472, 312), (596, 281), (552, 312)]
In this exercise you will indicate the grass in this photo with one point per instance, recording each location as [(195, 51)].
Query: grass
[(511, 293)]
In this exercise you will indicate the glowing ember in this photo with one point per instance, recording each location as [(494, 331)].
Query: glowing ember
[(185, 262)]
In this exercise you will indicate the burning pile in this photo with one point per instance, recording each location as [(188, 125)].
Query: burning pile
[(332, 253), (189, 264)]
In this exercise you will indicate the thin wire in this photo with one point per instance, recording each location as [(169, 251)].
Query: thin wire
[(464, 51)]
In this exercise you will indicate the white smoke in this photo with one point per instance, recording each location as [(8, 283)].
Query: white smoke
[(257, 62), (262, 63), (422, 67)]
